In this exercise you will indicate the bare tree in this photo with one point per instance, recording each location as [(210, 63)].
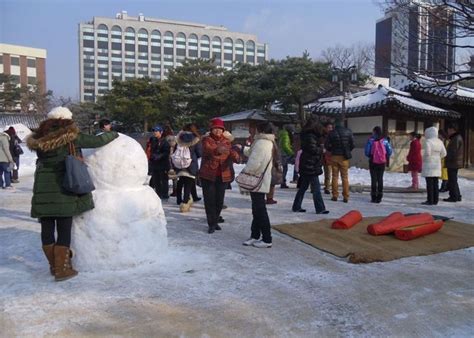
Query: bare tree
[(427, 36), (360, 55)]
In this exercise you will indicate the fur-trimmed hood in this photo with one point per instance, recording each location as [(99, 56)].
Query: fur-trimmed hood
[(187, 139), (269, 137), (54, 139), (226, 134)]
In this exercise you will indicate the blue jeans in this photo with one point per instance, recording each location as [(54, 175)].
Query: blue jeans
[(315, 187), (4, 172)]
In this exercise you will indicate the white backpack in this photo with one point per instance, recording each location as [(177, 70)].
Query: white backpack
[(181, 157)]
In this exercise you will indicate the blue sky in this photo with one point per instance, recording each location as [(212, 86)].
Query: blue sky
[(289, 27)]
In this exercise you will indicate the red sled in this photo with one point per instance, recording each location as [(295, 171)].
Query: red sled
[(348, 220), (407, 234), (394, 222)]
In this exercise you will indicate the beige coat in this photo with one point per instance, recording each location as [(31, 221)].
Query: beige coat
[(5, 155), (259, 155)]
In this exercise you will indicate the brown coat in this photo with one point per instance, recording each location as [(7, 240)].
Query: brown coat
[(216, 153), (455, 152)]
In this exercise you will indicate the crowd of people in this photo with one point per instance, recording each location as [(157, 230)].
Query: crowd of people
[(320, 149)]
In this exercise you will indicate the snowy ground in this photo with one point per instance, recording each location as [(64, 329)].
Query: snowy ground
[(211, 285)]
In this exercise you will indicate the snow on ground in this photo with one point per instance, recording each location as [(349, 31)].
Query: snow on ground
[(211, 285)]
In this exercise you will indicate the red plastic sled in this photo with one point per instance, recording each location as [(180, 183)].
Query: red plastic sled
[(398, 223), (407, 234), (374, 228), (348, 220)]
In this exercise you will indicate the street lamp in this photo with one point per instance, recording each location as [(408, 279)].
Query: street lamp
[(344, 75)]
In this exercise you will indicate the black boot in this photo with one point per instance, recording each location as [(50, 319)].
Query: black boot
[(379, 198), (373, 198), (444, 186)]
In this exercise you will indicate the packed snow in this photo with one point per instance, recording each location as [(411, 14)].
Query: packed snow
[(212, 286)]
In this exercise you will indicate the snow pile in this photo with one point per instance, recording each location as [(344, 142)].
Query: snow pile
[(127, 228)]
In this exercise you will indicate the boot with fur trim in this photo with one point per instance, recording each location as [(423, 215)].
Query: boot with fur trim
[(49, 253)]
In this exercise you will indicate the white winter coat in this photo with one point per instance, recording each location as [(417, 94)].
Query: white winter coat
[(259, 155), (433, 152)]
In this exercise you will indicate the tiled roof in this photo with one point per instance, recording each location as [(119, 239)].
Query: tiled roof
[(32, 121), (370, 102), (259, 115)]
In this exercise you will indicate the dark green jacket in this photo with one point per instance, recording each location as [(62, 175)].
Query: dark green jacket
[(49, 199)]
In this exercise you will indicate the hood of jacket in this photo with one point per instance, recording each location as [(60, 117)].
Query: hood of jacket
[(3, 134), (187, 139), (54, 139), (431, 132), (269, 137)]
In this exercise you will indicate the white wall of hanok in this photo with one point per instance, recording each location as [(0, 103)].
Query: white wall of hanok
[(362, 129)]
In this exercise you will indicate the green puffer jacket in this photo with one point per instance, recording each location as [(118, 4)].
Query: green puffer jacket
[(49, 199)]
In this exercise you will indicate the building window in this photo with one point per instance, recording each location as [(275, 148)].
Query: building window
[(250, 46), (130, 34), (31, 63), (143, 36), (116, 46), (205, 47), (1, 59), (15, 61), (31, 80), (88, 43), (103, 44)]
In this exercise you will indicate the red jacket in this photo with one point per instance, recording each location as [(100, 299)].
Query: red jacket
[(414, 156), (217, 154)]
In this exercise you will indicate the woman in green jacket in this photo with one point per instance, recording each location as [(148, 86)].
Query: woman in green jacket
[(54, 206)]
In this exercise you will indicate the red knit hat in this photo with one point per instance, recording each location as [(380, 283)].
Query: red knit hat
[(217, 123)]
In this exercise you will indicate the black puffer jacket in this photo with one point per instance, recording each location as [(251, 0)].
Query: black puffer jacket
[(340, 142), (455, 152), (311, 156), (160, 154)]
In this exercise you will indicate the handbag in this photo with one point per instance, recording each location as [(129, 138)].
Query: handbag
[(76, 178), (251, 182), (17, 150)]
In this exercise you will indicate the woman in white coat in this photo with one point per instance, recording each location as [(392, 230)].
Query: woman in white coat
[(260, 161), (433, 152)]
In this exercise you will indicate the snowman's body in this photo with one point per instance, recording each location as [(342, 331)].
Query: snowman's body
[(127, 227)]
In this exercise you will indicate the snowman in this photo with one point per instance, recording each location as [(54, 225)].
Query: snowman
[(127, 227)]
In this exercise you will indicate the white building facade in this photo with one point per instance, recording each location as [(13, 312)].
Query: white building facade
[(128, 47)]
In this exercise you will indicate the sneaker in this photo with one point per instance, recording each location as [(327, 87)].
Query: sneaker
[(261, 244), (250, 241), (9, 189)]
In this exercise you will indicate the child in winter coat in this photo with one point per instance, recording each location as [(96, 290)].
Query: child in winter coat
[(414, 159), (433, 152), (378, 150)]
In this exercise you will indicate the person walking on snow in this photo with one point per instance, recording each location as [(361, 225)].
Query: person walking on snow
[(433, 153), (414, 159), (159, 163), (6, 162), (378, 150), (310, 167), (15, 151)]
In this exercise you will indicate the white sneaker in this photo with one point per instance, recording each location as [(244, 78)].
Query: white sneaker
[(10, 189), (250, 241), (261, 244)]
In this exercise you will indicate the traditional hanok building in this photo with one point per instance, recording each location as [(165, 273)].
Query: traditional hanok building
[(452, 97), (239, 123), (397, 112)]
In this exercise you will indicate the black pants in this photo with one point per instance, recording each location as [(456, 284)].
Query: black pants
[(376, 180), (260, 221), (179, 191), (432, 190), (213, 193), (63, 226), (187, 183), (453, 186), (159, 181)]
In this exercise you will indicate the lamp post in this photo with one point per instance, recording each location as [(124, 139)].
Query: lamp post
[(344, 75)]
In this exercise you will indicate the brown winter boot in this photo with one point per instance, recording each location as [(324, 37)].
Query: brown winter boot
[(62, 263), (49, 253)]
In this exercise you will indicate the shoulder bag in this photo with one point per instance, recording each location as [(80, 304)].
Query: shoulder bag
[(76, 178), (251, 182)]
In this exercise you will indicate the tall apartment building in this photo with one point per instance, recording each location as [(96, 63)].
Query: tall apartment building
[(128, 47), (413, 39), (26, 65)]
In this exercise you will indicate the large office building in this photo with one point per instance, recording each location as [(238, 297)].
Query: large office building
[(414, 39), (128, 47), (25, 65)]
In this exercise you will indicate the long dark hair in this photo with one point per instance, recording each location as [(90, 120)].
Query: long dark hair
[(313, 125), (265, 127)]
